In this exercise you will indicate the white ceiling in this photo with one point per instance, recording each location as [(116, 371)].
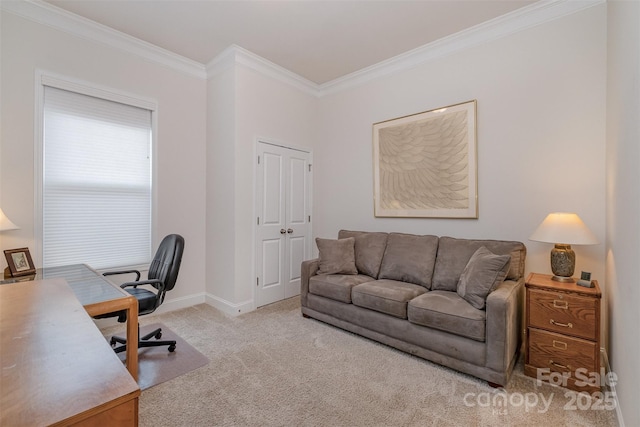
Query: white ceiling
[(320, 40)]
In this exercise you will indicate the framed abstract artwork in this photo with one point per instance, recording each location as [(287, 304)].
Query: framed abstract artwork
[(425, 164)]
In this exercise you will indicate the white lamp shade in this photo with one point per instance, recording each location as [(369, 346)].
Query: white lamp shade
[(5, 223), (562, 227)]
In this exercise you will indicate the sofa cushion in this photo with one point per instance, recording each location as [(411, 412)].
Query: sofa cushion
[(483, 273), (409, 258), (336, 286), (337, 256), (448, 312), (386, 296), (369, 250), (454, 254)]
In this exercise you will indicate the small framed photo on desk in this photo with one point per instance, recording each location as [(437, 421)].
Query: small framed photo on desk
[(20, 262)]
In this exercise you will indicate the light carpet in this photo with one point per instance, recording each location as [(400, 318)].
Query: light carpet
[(272, 367)]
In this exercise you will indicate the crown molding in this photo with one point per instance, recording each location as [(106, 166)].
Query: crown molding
[(223, 61), (60, 19), (237, 55), (521, 19)]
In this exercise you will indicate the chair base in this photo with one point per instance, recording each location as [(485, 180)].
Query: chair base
[(143, 341)]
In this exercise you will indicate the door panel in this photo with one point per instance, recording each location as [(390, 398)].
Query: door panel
[(297, 253), (271, 210), (298, 184), (271, 264), (283, 204), (272, 206), (298, 220)]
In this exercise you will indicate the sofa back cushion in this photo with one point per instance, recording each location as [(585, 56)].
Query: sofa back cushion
[(410, 258), (454, 254), (369, 249)]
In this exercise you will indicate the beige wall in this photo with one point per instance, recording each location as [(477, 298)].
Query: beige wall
[(180, 140), (221, 137), (541, 136), (256, 107), (623, 202)]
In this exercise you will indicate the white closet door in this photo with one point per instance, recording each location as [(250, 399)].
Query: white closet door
[(283, 238)]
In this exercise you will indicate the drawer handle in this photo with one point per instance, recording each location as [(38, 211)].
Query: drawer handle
[(560, 304), (564, 325), (557, 365), (560, 345)]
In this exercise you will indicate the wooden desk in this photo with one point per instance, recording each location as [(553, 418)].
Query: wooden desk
[(98, 296), (57, 368)]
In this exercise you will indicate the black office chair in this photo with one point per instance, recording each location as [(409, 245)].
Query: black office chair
[(163, 273)]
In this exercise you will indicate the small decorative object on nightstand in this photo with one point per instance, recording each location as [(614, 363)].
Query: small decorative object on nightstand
[(585, 280), (563, 333)]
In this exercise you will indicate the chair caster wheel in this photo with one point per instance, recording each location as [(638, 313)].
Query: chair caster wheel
[(158, 335), (112, 342), (172, 348)]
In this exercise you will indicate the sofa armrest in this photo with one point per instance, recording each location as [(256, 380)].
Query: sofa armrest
[(308, 269), (504, 322)]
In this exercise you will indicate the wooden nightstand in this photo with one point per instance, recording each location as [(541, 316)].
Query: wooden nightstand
[(563, 333)]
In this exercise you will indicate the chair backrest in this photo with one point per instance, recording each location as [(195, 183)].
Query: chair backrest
[(166, 262)]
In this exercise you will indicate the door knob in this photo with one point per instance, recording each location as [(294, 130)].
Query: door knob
[(289, 230), (282, 231)]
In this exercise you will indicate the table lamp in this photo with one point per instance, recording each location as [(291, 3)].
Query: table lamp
[(5, 223), (563, 229)]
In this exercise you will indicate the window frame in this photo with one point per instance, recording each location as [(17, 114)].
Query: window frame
[(45, 78)]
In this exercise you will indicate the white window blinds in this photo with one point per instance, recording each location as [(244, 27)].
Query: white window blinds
[(96, 181)]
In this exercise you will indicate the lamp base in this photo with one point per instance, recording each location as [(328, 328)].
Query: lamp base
[(563, 262), (563, 279)]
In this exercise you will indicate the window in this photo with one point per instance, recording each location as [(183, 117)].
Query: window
[(96, 181)]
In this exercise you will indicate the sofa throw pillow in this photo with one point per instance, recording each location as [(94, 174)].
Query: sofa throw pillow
[(483, 273), (454, 254), (336, 256)]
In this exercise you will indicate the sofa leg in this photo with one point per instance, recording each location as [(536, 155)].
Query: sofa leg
[(494, 385), (306, 316)]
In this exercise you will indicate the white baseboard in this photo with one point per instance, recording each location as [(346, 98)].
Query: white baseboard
[(612, 387), (167, 306), (232, 309)]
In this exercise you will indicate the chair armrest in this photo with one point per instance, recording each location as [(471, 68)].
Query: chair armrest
[(158, 284), (308, 269), (113, 273), (504, 322)]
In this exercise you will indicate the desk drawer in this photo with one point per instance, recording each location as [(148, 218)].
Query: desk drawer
[(561, 353), (563, 313)]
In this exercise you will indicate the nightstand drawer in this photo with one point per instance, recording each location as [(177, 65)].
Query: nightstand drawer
[(563, 313), (561, 353)]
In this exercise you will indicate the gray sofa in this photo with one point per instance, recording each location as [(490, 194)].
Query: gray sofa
[(455, 302)]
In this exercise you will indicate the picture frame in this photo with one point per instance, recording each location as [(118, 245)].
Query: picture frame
[(20, 262), (425, 164)]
